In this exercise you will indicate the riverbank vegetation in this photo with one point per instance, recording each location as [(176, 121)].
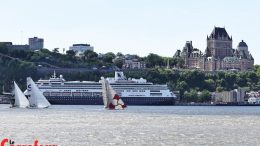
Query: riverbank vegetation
[(193, 85)]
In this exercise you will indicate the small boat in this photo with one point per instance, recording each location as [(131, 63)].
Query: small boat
[(111, 99), (36, 98), (20, 101)]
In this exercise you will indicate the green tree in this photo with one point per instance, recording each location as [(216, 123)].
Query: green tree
[(108, 57), (90, 55), (182, 86), (210, 85), (257, 70), (119, 54), (230, 79), (191, 96), (3, 48), (55, 50), (180, 62), (153, 60), (119, 62), (204, 96), (71, 53), (219, 89)]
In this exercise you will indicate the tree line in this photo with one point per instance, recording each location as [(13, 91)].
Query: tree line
[(193, 85)]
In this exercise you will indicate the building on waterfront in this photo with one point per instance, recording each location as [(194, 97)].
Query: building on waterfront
[(4, 99), (253, 97), (36, 43), (253, 100), (233, 96), (219, 54), (81, 48)]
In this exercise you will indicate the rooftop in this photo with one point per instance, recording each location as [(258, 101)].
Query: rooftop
[(81, 44), (242, 44), (219, 33)]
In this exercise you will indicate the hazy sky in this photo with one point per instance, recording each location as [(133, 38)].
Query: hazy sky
[(130, 26)]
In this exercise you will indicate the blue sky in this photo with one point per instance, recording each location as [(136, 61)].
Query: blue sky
[(130, 26)]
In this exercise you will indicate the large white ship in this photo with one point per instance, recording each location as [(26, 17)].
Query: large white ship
[(132, 91)]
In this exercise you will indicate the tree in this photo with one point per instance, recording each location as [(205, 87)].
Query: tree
[(182, 86), (257, 70), (119, 54), (252, 76), (210, 85), (90, 55), (108, 57), (71, 53), (173, 61), (204, 96), (219, 89), (180, 62), (153, 60), (45, 51), (241, 80), (191, 96), (3, 49), (55, 50), (229, 80), (119, 62)]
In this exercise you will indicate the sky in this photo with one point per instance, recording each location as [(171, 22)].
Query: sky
[(130, 26)]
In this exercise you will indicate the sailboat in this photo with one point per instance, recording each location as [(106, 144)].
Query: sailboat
[(111, 100), (36, 98), (20, 100)]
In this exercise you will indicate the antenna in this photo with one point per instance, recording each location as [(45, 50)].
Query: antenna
[(54, 74)]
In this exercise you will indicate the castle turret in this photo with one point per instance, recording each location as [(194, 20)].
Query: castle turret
[(242, 46)]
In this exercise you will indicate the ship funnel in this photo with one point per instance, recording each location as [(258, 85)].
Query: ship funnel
[(119, 76)]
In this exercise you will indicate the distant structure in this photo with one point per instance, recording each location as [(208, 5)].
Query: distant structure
[(9, 45), (36, 43), (81, 48), (219, 54), (133, 64)]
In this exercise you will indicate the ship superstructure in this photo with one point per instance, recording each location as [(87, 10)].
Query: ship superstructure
[(132, 91)]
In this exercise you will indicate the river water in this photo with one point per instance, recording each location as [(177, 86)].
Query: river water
[(137, 125)]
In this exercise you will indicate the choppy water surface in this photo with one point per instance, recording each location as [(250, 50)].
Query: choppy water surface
[(138, 125)]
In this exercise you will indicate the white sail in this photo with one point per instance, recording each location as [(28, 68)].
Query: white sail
[(110, 99), (20, 100), (104, 92), (36, 98)]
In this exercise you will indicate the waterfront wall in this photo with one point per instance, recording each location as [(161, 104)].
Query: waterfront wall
[(4, 99)]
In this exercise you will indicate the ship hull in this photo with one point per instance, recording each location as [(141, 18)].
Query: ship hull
[(92, 100)]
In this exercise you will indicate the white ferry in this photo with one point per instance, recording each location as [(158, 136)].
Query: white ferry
[(132, 91)]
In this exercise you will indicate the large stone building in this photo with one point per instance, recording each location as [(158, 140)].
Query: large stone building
[(219, 54)]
